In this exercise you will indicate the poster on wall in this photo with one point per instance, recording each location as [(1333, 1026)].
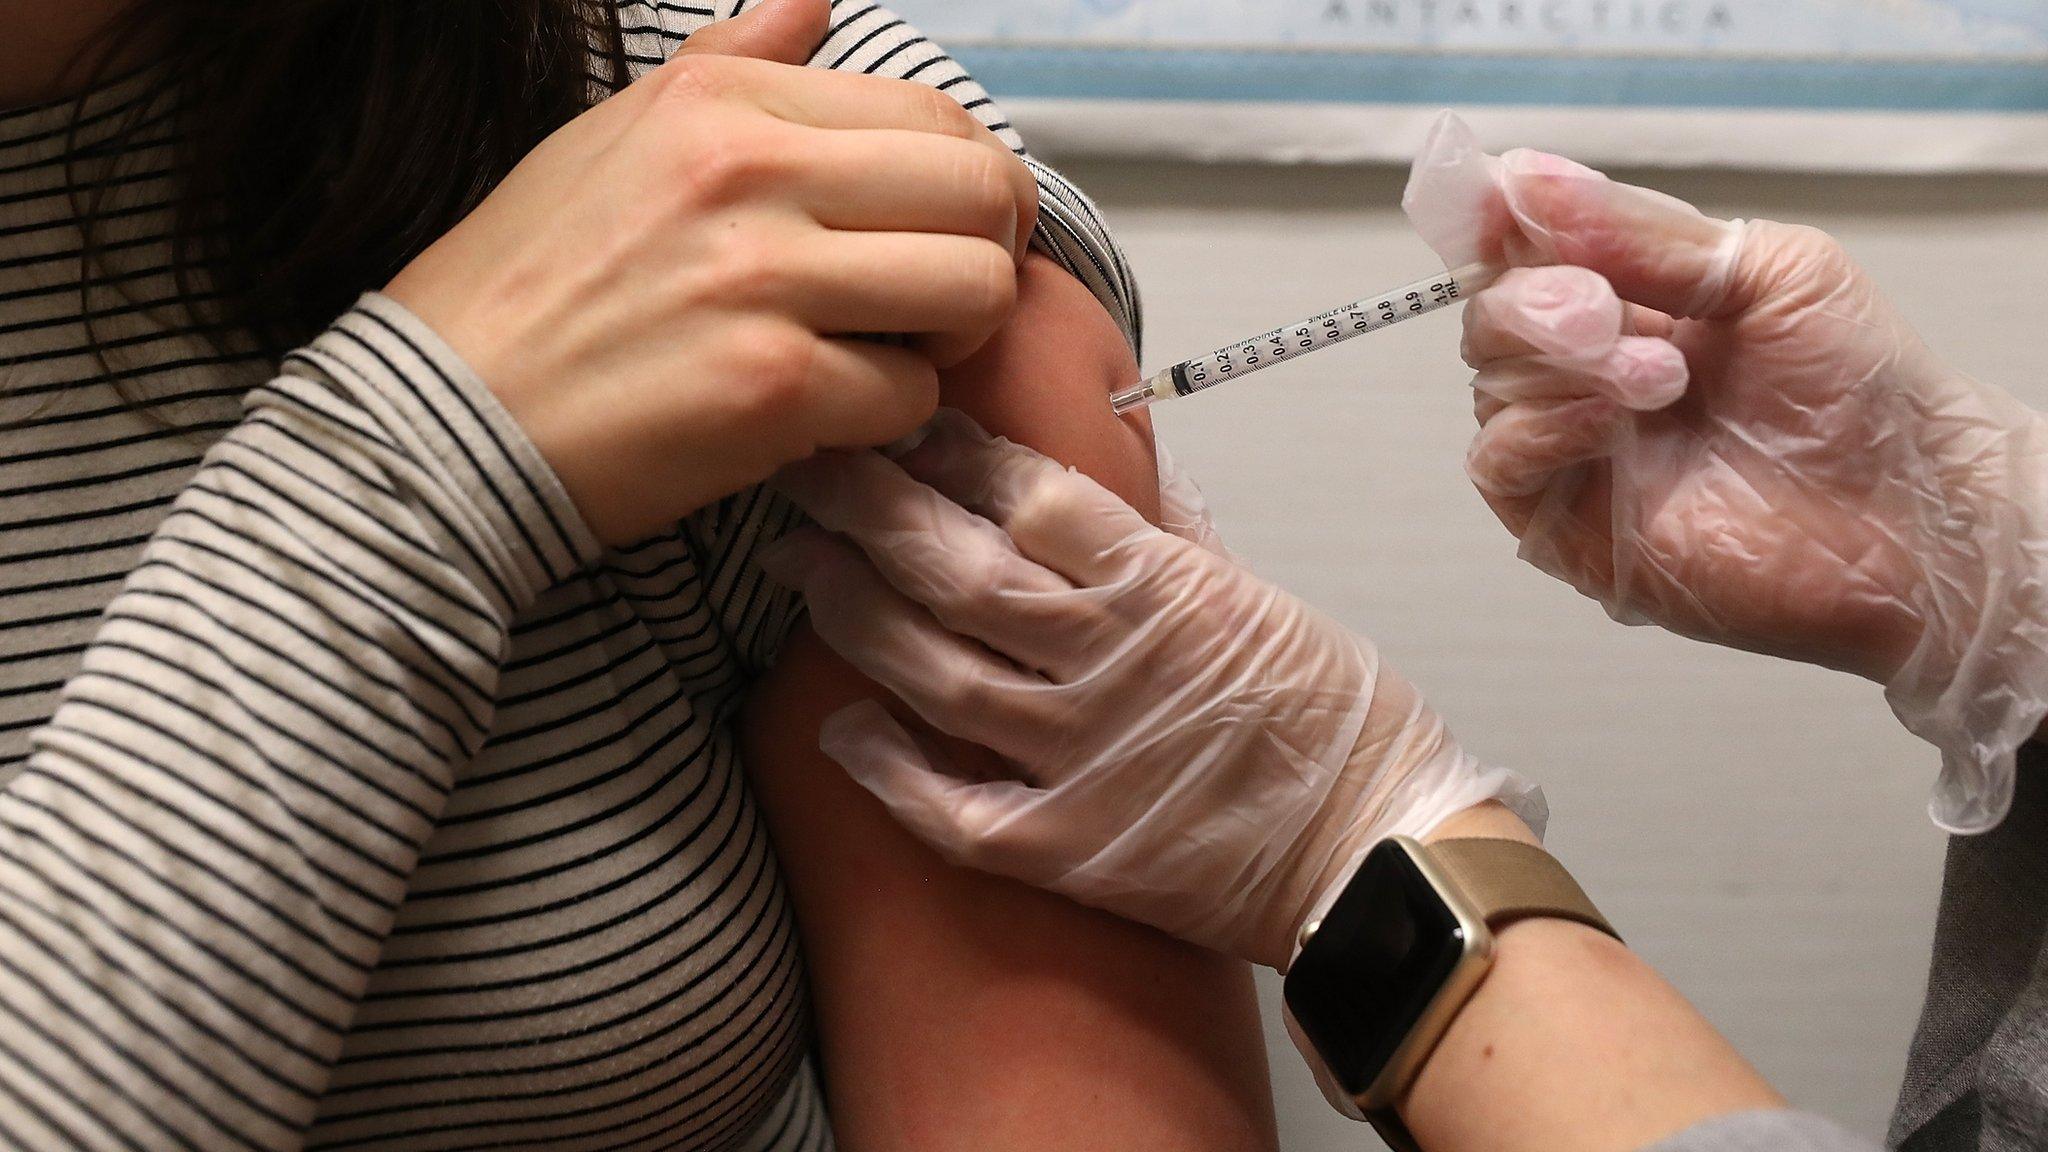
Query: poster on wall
[(1845, 85)]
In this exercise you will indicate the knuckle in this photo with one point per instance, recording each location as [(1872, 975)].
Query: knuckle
[(692, 77), (1806, 237), (980, 590), (774, 366), (962, 689), (1479, 329), (1825, 251), (1039, 507), (749, 268), (1797, 258), (727, 163)]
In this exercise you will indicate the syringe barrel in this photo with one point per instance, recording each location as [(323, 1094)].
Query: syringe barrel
[(1311, 335)]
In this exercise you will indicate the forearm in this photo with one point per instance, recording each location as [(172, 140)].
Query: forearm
[(200, 860), (1572, 1042)]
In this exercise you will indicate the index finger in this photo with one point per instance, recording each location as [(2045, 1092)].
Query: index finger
[(1058, 517), (1561, 331), (965, 570), (823, 98)]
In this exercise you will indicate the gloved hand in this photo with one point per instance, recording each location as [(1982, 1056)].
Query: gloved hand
[(1191, 746), (1724, 428)]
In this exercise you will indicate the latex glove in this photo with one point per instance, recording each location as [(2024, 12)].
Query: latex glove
[(1183, 510), (1724, 428), (1189, 746)]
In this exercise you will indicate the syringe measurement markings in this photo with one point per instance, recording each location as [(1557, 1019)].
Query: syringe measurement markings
[(1317, 332)]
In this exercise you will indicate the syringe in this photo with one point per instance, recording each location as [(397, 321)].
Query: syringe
[(1245, 357)]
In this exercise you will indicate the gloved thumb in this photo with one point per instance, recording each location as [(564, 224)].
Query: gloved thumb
[(784, 31)]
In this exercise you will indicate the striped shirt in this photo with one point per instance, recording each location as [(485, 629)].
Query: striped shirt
[(351, 796)]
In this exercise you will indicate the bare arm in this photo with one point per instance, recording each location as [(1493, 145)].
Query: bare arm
[(1573, 1042), (958, 1009)]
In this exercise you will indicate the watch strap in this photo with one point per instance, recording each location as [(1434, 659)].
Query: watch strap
[(1509, 880), (1505, 881)]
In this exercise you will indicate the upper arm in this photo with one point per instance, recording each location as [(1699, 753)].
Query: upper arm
[(961, 1010)]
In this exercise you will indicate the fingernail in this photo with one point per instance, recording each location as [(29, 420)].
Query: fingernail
[(1653, 373), (1565, 311)]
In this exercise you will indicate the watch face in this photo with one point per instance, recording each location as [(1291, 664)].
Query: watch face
[(1384, 949)]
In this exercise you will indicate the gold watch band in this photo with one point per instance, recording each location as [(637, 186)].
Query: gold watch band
[(1505, 881), (1508, 880)]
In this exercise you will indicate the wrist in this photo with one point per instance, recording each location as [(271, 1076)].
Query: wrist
[(1491, 820), (489, 484)]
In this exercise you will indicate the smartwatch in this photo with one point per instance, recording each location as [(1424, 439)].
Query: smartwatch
[(1381, 975)]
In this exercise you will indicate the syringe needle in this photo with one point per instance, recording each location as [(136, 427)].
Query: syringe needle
[(1317, 332)]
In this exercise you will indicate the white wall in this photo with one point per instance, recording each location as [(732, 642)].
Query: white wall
[(1757, 830)]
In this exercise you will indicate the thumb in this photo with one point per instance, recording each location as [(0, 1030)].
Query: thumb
[(1656, 250), (784, 31)]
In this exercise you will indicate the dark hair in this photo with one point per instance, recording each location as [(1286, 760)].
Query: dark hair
[(322, 144)]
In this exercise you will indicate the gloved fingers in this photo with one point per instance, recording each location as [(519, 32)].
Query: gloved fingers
[(1638, 373), (1485, 406), (957, 684), (1525, 444), (1561, 331), (1655, 249), (1183, 510), (1531, 208), (1057, 516), (1556, 310), (953, 815), (1453, 197), (964, 569), (1637, 320)]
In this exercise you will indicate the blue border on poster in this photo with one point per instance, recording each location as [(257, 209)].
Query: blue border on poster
[(1365, 77)]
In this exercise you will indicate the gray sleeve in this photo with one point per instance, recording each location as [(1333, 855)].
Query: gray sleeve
[(1772, 1131), (201, 859)]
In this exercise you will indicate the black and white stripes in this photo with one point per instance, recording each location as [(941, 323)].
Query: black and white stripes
[(370, 804)]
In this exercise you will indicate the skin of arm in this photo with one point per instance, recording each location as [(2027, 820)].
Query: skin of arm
[(959, 1010), (1572, 1041)]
